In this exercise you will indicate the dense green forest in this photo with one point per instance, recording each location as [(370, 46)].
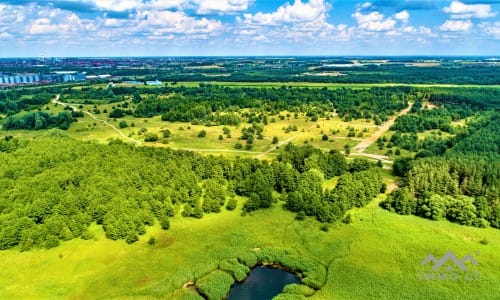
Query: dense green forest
[(218, 104), (53, 188), (457, 178)]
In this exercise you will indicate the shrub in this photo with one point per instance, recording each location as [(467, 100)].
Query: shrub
[(123, 124), (151, 137), (231, 204), (215, 285), (202, 134)]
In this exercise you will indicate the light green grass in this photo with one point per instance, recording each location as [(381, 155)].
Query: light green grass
[(377, 256)]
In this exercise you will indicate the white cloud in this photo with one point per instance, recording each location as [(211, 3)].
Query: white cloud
[(456, 25), (459, 10), (222, 6), (118, 5), (374, 21), (492, 29), (175, 22), (402, 16), (299, 12), (201, 6)]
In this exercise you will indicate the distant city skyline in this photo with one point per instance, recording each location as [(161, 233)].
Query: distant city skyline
[(95, 28)]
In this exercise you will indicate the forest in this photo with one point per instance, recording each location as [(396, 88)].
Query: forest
[(457, 178), (53, 188), (218, 105)]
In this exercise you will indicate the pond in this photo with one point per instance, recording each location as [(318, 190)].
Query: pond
[(262, 283)]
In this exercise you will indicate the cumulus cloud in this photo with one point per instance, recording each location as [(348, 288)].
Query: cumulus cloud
[(374, 21), (222, 6), (402, 16), (456, 25), (175, 22), (459, 10), (299, 12)]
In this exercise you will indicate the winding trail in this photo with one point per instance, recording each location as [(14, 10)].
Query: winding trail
[(274, 147), (121, 133)]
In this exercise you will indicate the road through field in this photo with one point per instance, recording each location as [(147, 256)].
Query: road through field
[(382, 129), (121, 133)]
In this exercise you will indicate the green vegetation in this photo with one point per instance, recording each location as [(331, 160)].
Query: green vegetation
[(107, 202)]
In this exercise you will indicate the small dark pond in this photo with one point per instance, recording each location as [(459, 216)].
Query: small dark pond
[(262, 283)]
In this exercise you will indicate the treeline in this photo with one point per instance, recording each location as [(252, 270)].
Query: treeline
[(41, 120), (367, 74), (218, 104), (53, 188), (14, 101)]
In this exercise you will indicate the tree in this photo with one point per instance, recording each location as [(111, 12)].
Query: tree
[(202, 134), (275, 140), (123, 124)]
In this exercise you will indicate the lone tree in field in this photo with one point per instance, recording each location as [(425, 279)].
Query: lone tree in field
[(202, 134)]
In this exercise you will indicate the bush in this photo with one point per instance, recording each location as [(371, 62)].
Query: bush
[(215, 285), (152, 240), (400, 201), (231, 204), (202, 134), (123, 124), (151, 137)]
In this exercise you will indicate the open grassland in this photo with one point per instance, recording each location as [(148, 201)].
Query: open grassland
[(377, 256), (97, 126)]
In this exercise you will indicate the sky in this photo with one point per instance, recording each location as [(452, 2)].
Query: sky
[(61, 28)]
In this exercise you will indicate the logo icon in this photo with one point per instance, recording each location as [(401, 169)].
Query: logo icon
[(450, 267)]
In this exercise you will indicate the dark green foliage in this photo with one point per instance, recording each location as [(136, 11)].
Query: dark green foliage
[(401, 166), (164, 222), (217, 104), (39, 120), (123, 124), (202, 134), (231, 203), (400, 201), (14, 101), (151, 137)]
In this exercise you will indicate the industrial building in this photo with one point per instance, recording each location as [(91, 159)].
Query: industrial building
[(18, 79)]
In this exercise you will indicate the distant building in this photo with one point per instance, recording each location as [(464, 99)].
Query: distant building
[(156, 82), (19, 79)]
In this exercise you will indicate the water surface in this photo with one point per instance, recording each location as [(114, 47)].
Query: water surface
[(262, 283)]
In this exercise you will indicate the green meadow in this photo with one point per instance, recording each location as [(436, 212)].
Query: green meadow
[(377, 256)]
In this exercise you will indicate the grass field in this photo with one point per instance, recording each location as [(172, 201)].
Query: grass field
[(185, 135), (377, 256)]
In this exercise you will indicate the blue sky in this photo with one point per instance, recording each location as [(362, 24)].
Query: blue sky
[(248, 27)]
